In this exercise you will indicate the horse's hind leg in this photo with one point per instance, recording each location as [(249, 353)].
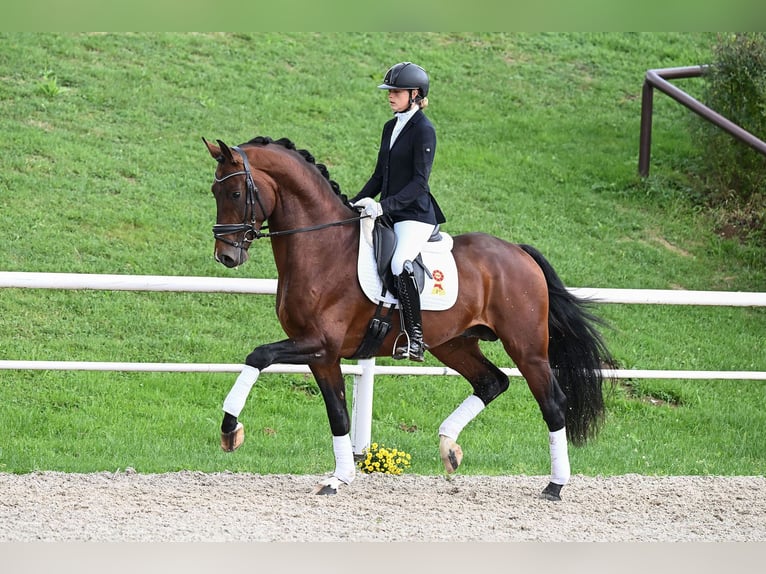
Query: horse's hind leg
[(463, 355), (535, 368)]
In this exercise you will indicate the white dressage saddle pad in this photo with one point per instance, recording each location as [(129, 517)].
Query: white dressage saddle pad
[(440, 291)]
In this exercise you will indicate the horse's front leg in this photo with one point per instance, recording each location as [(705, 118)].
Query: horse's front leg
[(287, 351), (329, 377)]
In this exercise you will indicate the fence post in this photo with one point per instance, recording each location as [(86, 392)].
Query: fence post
[(361, 407), (645, 139)]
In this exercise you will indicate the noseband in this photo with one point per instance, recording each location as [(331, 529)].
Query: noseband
[(251, 233), (220, 230)]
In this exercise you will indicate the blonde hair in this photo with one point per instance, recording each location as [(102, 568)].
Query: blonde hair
[(423, 103)]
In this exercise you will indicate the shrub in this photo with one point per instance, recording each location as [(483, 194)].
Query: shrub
[(733, 175)]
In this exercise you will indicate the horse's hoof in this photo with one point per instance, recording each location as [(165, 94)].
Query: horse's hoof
[(328, 486), (552, 492), (325, 489), (231, 441), (451, 453)]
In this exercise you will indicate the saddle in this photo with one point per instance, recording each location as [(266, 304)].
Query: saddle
[(384, 243)]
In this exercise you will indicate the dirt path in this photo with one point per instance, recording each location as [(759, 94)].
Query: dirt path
[(192, 506)]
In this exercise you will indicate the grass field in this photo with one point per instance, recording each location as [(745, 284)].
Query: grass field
[(103, 171)]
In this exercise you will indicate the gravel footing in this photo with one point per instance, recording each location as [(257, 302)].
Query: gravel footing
[(241, 507)]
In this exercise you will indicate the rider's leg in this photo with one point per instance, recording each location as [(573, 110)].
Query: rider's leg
[(409, 302), (411, 237)]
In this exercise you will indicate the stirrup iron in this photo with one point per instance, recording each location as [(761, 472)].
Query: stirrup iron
[(404, 351)]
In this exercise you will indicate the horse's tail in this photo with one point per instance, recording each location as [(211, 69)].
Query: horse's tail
[(576, 352)]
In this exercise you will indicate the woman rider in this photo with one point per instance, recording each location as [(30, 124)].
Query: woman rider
[(403, 167)]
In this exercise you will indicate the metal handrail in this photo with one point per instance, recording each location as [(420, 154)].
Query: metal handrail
[(658, 79)]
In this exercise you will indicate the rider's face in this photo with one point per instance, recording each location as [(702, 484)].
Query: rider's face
[(399, 100)]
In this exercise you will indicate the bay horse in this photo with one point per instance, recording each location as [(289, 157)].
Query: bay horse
[(507, 291)]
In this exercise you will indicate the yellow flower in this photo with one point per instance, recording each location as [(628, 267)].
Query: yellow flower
[(378, 458)]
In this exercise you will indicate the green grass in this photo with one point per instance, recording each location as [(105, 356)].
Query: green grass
[(103, 171)]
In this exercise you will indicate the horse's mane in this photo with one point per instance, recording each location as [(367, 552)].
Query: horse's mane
[(288, 144)]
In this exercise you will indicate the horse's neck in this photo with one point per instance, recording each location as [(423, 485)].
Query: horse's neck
[(296, 209), (307, 251), (305, 200), (329, 254)]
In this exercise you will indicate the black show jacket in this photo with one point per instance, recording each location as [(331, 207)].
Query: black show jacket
[(401, 172)]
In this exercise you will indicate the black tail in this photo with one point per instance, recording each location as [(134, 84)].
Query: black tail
[(576, 352)]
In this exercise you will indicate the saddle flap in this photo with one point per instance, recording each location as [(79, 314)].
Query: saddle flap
[(439, 288), (383, 244)]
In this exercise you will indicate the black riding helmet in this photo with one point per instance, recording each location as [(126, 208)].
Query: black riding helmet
[(406, 76)]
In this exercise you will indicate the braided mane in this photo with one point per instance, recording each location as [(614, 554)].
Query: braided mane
[(288, 144)]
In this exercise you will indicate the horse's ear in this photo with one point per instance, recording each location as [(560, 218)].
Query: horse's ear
[(219, 152), (225, 151), (214, 150)]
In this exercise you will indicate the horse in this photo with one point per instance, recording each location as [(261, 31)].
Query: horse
[(267, 188)]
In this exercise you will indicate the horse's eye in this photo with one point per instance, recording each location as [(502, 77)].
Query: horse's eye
[(236, 194)]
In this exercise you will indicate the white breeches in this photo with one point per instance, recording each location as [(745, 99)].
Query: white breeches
[(411, 236)]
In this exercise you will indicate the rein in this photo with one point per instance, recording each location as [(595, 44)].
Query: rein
[(253, 197), (311, 228)]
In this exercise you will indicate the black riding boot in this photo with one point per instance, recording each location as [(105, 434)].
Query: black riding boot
[(409, 305)]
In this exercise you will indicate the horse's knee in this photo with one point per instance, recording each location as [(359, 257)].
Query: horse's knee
[(260, 358), (340, 424), (337, 411), (488, 388)]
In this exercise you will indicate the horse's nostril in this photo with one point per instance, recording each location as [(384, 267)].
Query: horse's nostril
[(227, 260)]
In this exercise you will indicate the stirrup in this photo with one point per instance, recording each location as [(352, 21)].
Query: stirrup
[(411, 350), (401, 352)]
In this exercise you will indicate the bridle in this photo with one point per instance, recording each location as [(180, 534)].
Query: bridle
[(248, 228), (248, 225)]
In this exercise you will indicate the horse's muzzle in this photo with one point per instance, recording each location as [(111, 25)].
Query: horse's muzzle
[(231, 257)]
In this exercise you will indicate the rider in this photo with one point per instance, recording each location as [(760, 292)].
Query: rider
[(403, 167)]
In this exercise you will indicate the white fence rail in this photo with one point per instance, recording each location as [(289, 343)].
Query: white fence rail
[(365, 370), (30, 280), (355, 370)]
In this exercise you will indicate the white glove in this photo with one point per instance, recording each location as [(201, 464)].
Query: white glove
[(371, 207), (373, 210)]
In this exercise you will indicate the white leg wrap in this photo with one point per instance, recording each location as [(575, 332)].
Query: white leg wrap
[(560, 471), (461, 416), (345, 469), (237, 396)]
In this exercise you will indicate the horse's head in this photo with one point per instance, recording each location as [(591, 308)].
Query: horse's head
[(242, 206)]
